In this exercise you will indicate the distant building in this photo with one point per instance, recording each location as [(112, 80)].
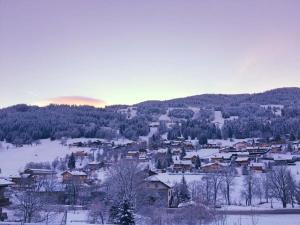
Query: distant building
[(257, 167), (213, 167), (78, 177), (158, 193), (4, 201), (182, 166)]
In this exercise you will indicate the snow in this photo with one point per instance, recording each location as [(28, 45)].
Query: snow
[(276, 109), (280, 219), (14, 159), (218, 119), (164, 117), (78, 217), (228, 142), (202, 153), (153, 130)]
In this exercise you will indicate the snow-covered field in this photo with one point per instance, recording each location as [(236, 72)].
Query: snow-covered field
[(13, 159), (218, 119), (291, 219)]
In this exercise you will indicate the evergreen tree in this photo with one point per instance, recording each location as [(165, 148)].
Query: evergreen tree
[(184, 194), (113, 214), (158, 164), (169, 157), (125, 213), (72, 162), (202, 140), (183, 153), (197, 163), (292, 137)]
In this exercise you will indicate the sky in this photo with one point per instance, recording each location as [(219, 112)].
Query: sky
[(122, 52)]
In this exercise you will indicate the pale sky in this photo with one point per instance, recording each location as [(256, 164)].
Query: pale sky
[(124, 52)]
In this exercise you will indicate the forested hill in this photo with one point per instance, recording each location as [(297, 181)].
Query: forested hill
[(280, 96), (23, 124)]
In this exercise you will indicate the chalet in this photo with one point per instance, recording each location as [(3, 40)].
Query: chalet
[(222, 157), (213, 167), (80, 154), (22, 179), (133, 155), (4, 201), (39, 172), (188, 145), (242, 160), (276, 149), (93, 166), (78, 177), (182, 166), (143, 157), (281, 159), (176, 151), (241, 145), (191, 156), (257, 167), (159, 193), (257, 151)]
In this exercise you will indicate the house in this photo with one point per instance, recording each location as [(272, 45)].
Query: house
[(257, 151), (158, 193), (281, 159), (39, 172), (182, 166), (132, 154), (22, 179), (276, 149), (4, 201), (242, 160), (93, 166), (191, 156), (239, 146), (78, 177), (222, 157), (213, 167), (257, 167), (80, 154)]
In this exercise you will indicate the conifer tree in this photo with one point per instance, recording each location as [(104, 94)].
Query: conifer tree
[(72, 162), (197, 163), (125, 213)]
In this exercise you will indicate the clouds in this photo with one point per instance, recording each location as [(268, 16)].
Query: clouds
[(72, 100)]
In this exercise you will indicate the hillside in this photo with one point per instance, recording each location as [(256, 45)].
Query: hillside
[(280, 96), (268, 114)]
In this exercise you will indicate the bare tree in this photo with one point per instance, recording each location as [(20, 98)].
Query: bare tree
[(280, 183), (29, 204), (248, 190), (97, 211), (124, 184), (213, 185), (125, 179), (228, 177)]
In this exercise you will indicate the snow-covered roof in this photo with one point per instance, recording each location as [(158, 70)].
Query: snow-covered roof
[(242, 159), (76, 173), (257, 164), (214, 163), (183, 162), (156, 178), (282, 157), (4, 182), (94, 163)]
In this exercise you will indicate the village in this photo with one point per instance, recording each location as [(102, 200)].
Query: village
[(80, 177)]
